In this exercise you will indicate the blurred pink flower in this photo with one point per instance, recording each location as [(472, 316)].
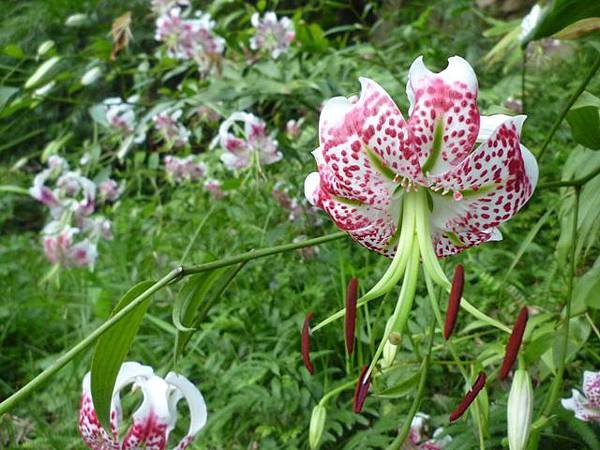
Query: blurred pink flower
[(587, 406), (239, 151), (174, 134), (272, 35)]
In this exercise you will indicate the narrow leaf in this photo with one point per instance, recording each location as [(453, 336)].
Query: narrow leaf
[(112, 348)]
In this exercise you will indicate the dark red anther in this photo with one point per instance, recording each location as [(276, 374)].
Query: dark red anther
[(306, 342), (514, 343), (469, 397), (362, 389), (350, 322), (454, 301)]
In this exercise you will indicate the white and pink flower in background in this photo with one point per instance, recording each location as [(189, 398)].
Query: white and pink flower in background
[(173, 133), (190, 39), (272, 35), (371, 162), (213, 186), (247, 144), (418, 434), (586, 406), (184, 169), (293, 128), (153, 420), (162, 6), (109, 190), (120, 115)]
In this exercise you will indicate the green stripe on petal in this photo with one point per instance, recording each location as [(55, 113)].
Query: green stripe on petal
[(378, 164), (436, 147)]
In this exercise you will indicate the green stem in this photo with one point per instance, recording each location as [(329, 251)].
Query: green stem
[(464, 304), (567, 106), (174, 275), (558, 379), (403, 433), (337, 390), (566, 183)]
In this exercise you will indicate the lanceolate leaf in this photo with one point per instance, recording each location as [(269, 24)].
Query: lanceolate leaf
[(584, 119), (196, 298), (111, 350), (560, 14)]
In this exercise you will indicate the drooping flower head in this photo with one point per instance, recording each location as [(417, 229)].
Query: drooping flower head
[(417, 435), (371, 159), (155, 418), (173, 133), (272, 35), (587, 406), (241, 145), (120, 115), (190, 39)]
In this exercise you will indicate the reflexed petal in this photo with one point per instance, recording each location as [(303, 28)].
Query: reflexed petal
[(92, 433), (152, 421), (488, 125), (368, 225), (489, 187), (363, 144), (448, 243), (580, 406), (444, 117), (196, 404), (591, 388)]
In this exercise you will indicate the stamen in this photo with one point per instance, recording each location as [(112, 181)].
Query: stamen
[(514, 343), (306, 342), (468, 398), (362, 389), (350, 322), (454, 300)]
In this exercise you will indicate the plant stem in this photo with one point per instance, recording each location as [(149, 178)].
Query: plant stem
[(172, 276), (568, 105), (576, 183), (558, 379), (403, 433)]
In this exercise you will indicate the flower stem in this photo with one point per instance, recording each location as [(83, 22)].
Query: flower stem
[(468, 307), (403, 433), (567, 106), (172, 276), (558, 379)]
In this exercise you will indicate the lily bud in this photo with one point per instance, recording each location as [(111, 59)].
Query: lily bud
[(76, 20), (520, 410), (91, 76), (317, 425), (41, 72), (350, 322), (45, 47), (305, 347), (454, 301), (514, 343)]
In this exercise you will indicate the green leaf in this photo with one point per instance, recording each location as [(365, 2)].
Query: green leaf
[(584, 119), (560, 14), (402, 388), (579, 28), (196, 298), (586, 292), (112, 348), (14, 51), (6, 92)]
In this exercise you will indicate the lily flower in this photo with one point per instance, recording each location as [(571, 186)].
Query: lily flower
[(587, 406), (272, 35), (173, 133), (155, 418), (419, 189), (418, 434), (254, 143)]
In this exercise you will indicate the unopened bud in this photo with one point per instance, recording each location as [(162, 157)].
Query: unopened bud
[(76, 20), (317, 425), (519, 411), (45, 47), (41, 72), (91, 76)]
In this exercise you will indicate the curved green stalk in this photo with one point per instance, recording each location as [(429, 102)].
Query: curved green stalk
[(398, 320), (174, 275), (558, 379), (430, 260), (403, 433)]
